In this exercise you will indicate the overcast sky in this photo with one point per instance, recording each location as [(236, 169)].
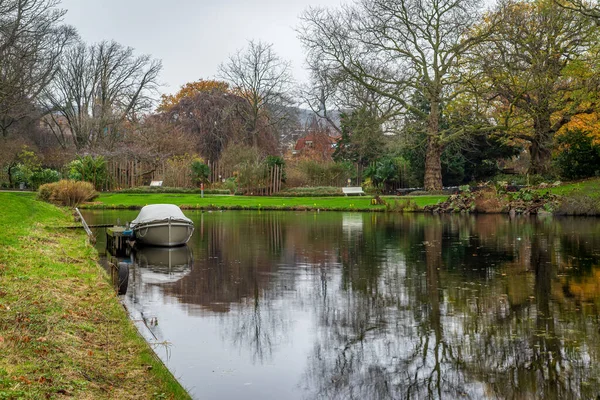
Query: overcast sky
[(192, 37)]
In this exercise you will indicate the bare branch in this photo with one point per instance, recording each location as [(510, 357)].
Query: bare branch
[(100, 87), (261, 77)]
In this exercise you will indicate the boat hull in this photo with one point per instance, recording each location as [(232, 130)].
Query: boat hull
[(163, 233)]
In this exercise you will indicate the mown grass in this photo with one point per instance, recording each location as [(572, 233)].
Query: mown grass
[(588, 187), (63, 333), (193, 201)]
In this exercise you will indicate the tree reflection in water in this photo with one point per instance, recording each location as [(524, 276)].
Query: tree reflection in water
[(436, 323), (406, 306)]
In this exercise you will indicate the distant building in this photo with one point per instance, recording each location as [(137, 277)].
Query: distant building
[(317, 143)]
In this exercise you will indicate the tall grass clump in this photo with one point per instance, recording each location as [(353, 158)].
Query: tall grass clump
[(405, 205), (67, 193)]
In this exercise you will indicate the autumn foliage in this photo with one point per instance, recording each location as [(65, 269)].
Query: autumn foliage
[(189, 90)]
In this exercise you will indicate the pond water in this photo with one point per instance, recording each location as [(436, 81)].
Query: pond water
[(276, 305)]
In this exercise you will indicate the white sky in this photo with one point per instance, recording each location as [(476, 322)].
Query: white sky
[(192, 37)]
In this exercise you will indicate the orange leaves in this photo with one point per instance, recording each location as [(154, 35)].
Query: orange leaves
[(190, 89), (24, 380), (588, 123)]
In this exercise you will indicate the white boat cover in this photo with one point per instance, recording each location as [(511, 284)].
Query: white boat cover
[(160, 212)]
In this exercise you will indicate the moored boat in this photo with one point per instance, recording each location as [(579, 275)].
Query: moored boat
[(162, 225)]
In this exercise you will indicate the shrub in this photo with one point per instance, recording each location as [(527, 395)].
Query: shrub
[(158, 189), (44, 176), (578, 155), (318, 173), (21, 174), (67, 192), (383, 174), (45, 192), (406, 205), (230, 184), (273, 161), (200, 171), (178, 172), (89, 169), (251, 176), (249, 167), (34, 177), (326, 191), (388, 172)]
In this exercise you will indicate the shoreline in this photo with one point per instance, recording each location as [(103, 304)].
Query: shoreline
[(63, 331), (571, 199), (496, 204)]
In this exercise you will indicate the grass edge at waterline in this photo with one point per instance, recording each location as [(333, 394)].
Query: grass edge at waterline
[(62, 329), (195, 202)]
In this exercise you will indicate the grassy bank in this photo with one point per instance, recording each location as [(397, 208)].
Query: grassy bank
[(588, 187), (62, 330), (193, 201), (579, 198)]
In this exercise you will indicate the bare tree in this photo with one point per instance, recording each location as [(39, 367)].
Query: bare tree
[(96, 90), (264, 80), (397, 48), (328, 94), (32, 40)]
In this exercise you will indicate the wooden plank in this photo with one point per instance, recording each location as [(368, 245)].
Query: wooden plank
[(89, 226), (85, 225)]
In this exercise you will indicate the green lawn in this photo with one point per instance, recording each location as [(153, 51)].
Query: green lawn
[(63, 332), (588, 187), (355, 203)]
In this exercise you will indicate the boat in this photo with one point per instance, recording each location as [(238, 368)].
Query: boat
[(162, 225)]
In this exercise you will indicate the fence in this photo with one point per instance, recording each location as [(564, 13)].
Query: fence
[(219, 173), (263, 181), (123, 174)]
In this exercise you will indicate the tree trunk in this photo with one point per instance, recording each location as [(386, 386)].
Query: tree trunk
[(540, 157), (433, 165), (433, 157), (10, 175), (255, 138), (541, 148)]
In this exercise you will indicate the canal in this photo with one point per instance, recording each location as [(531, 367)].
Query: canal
[(285, 305)]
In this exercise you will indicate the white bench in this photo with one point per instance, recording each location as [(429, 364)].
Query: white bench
[(353, 190), (156, 183)]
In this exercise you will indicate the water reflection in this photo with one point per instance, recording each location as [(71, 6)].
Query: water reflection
[(386, 306), (160, 265)]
